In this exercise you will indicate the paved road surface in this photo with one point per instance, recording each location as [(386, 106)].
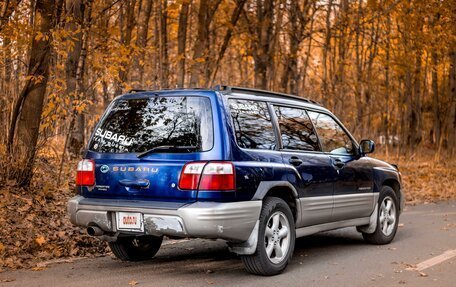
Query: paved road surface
[(337, 258)]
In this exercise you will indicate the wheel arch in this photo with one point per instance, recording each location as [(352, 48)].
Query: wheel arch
[(281, 189), (396, 186)]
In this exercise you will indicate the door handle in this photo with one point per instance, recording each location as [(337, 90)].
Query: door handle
[(295, 161), (338, 163), (139, 183)]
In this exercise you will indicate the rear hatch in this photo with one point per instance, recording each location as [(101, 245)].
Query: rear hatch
[(141, 145)]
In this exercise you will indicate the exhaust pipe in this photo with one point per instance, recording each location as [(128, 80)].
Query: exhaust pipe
[(94, 231)]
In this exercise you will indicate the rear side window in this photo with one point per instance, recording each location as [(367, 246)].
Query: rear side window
[(252, 124), (332, 137), (138, 125), (296, 129)]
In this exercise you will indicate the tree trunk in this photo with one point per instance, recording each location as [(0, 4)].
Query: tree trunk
[(386, 110), (326, 49), (415, 120), (435, 100), (226, 40), (263, 39), (451, 126), (359, 94), (74, 26), (206, 13), (164, 59), (182, 42), (25, 124), (6, 89), (137, 71), (308, 50), (127, 23), (291, 61)]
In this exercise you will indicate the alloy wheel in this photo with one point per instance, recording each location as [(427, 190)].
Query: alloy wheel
[(277, 237)]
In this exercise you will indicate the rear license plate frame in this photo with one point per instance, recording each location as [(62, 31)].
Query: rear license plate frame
[(123, 220)]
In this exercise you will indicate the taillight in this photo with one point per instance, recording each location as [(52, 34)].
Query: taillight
[(86, 172), (208, 176), (218, 176), (190, 175)]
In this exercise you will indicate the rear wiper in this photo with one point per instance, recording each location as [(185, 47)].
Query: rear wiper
[(168, 148)]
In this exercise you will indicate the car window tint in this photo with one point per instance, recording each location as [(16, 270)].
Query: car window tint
[(137, 125), (252, 124), (296, 129), (332, 137)]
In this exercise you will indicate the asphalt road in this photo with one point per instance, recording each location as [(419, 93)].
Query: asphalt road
[(336, 258)]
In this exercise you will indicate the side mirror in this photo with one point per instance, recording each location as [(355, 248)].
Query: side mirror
[(367, 146)]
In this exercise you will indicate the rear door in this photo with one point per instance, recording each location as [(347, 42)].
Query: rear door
[(353, 193), (301, 149), (141, 145)]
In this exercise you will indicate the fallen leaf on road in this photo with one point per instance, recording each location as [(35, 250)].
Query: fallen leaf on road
[(38, 268), (7, 280), (422, 274), (401, 225), (40, 240), (133, 283), (209, 282)]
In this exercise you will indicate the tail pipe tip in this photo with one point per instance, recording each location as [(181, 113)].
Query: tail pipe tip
[(94, 231)]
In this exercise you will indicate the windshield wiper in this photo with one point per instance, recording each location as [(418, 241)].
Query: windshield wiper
[(168, 148)]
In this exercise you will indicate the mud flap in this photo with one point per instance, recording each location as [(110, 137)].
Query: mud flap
[(247, 247)]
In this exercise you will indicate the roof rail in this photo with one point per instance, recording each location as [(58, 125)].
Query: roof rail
[(137, 91), (230, 89), (161, 89)]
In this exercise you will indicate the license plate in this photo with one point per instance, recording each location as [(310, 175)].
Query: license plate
[(129, 221)]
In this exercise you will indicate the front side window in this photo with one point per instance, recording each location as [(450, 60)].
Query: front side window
[(332, 137), (252, 124), (138, 125), (296, 129)]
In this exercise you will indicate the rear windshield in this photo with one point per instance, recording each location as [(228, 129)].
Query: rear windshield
[(139, 125)]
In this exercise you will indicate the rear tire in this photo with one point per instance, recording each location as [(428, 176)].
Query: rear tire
[(136, 248), (276, 239), (387, 218)]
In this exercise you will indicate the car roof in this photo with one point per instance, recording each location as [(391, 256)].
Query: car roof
[(134, 94), (274, 97), (230, 91)]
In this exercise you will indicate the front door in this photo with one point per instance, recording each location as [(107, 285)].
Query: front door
[(316, 176), (353, 190)]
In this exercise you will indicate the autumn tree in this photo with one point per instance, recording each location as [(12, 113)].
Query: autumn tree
[(25, 122)]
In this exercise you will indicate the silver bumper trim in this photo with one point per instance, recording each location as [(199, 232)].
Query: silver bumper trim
[(233, 221)]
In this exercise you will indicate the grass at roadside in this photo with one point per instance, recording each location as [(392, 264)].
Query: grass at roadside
[(425, 180)]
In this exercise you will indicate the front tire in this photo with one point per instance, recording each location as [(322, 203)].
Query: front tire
[(134, 248), (276, 239), (387, 218)]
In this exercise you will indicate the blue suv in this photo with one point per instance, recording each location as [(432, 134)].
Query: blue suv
[(255, 168)]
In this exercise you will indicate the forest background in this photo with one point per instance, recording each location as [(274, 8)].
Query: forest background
[(387, 68)]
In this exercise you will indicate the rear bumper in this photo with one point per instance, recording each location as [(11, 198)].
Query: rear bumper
[(232, 221)]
